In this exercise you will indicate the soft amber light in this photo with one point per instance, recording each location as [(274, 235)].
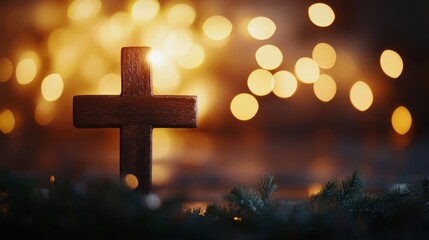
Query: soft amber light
[(156, 58), (325, 88), (361, 96), (180, 15), (193, 58), (161, 174), (307, 70), (325, 55), (52, 179), (261, 28), (26, 71), (52, 87), (166, 78), (145, 9), (401, 120), (161, 143), (260, 82), (131, 181), (110, 84), (314, 188), (7, 121), (269, 57), (285, 84), (178, 43), (321, 14), (244, 106), (83, 9), (6, 69), (391, 63), (217, 27), (44, 113)]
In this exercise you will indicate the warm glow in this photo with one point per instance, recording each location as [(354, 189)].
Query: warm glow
[(314, 188), (325, 88), (131, 181), (110, 84), (244, 106), (260, 82), (325, 55), (166, 78), (307, 70), (285, 84), (178, 43), (391, 63), (361, 96), (401, 120), (269, 57), (161, 174), (161, 143), (321, 14), (156, 58), (6, 69), (206, 91), (145, 9), (7, 121), (44, 113), (217, 27), (237, 219), (261, 28), (83, 9), (52, 87), (193, 58), (26, 71), (52, 179), (180, 15)]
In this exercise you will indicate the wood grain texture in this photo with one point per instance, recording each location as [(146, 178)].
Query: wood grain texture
[(136, 112)]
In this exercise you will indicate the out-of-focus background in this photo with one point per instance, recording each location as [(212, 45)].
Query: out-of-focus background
[(306, 91)]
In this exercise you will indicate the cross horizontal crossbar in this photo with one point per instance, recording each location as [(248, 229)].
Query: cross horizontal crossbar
[(105, 111)]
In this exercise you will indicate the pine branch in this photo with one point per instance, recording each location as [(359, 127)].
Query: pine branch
[(265, 188)]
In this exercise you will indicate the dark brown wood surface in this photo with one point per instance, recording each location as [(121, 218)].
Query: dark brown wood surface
[(135, 112)]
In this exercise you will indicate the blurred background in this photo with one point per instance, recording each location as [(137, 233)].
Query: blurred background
[(306, 91)]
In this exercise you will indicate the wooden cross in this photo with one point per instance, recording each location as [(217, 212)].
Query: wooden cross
[(136, 112)]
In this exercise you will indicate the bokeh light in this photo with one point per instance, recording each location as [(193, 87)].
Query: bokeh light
[(6, 69), (261, 28), (285, 84), (361, 96), (180, 15), (193, 58), (307, 70), (143, 10), (83, 9), (244, 106), (401, 120), (166, 78), (325, 88), (26, 71), (321, 14), (217, 27), (7, 121), (110, 84), (131, 181), (44, 113), (52, 87), (52, 179), (260, 82), (269, 57), (178, 43), (325, 55), (391, 63)]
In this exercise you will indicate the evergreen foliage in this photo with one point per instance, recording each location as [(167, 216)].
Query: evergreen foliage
[(342, 209)]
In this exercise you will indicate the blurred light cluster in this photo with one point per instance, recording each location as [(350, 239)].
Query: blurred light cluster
[(308, 70)]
